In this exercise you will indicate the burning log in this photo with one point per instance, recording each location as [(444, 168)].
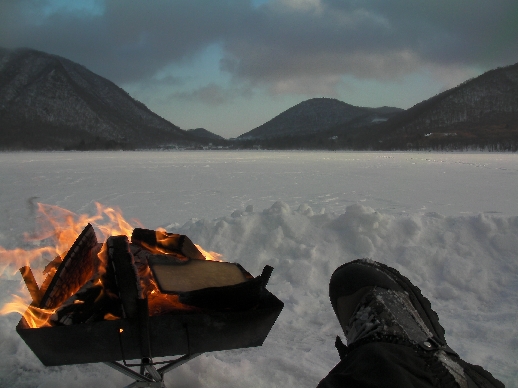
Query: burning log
[(93, 284), (167, 243), (32, 286), (235, 297), (174, 276), (84, 306), (73, 272), (126, 274), (208, 285), (154, 296), (49, 270), (111, 294), (160, 295)]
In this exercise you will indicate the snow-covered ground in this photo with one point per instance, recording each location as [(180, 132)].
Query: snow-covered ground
[(447, 221)]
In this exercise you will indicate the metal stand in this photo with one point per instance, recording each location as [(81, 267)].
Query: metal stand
[(149, 376)]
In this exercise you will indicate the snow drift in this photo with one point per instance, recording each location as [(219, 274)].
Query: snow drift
[(466, 265)]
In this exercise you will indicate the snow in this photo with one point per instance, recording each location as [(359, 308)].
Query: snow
[(447, 221)]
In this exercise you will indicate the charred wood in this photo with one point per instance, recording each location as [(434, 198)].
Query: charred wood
[(175, 276), (73, 272), (168, 243), (32, 286), (235, 297), (91, 303), (121, 259), (50, 270)]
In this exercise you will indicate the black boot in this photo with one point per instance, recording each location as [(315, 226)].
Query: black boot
[(375, 304)]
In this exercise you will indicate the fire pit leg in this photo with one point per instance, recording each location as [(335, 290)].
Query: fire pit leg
[(154, 378), (134, 375), (176, 363)]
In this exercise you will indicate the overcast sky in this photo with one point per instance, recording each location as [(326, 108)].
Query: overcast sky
[(231, 65)]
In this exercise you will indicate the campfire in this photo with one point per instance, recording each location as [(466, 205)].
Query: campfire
[(134, 294)]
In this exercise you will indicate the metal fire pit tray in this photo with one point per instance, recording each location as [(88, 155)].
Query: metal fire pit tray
[(170, 335)]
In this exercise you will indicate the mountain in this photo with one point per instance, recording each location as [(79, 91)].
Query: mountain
[(317, 115), (481, 112), (49, 102), (203, 133)]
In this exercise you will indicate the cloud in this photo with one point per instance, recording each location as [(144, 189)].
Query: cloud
[(212, 94), (128, 40), (287, 46), (383, 40)]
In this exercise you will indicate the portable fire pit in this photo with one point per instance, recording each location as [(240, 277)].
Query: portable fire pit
[(156, 296)]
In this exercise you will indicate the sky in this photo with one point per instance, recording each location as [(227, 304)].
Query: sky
[(232, 65)]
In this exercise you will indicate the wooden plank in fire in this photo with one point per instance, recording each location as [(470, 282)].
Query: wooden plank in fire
[(167, 243), (73, 272), (240, 296), (175, 277), (206, 284), (31, 284), (126, 274)]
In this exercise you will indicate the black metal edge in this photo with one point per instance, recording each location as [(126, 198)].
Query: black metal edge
[(195, 337)]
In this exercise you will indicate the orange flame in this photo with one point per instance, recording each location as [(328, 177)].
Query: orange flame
[(158, 303), (210, 255), (34, 316), (63, 226), (58, 228)]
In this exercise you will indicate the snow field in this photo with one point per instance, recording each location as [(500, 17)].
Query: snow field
[(376, 205), (465, 265)]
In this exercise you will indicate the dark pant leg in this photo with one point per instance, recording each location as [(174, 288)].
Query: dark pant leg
[(378, 364), (392, 365)]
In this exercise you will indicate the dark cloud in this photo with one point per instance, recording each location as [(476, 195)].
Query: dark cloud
[(372, 39), (129, 40), (213, 94), (289, 45), (464, 31)]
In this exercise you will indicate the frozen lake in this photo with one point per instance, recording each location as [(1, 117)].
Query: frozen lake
[(160, 188), (448, 221)]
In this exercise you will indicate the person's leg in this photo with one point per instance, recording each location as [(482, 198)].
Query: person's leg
[(379, 364), (394, 337)]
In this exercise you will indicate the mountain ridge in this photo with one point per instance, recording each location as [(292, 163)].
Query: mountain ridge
[(480, 113), (47, 101), (50, 102), (474, 111), (315, 115), (204, 133)]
